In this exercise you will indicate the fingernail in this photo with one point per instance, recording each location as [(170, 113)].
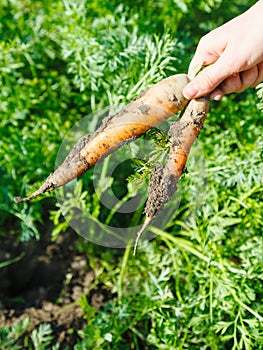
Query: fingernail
[(217, 98), (190, 91), (216, 95)]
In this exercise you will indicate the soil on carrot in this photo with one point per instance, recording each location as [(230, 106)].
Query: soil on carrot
[(46, 284), (160, 191)]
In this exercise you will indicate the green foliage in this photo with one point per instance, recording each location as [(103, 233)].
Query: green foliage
[(10, 335), (55, 53), (41, 338), (260, 95), (185, 301), (198, 285), (113, 61)]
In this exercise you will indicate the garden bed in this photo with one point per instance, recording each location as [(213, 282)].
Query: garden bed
[(46, 285)]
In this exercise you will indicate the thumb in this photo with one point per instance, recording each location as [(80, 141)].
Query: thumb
[(207, 80)]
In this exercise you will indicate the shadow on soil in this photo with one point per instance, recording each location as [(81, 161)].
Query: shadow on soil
[(46, 284)]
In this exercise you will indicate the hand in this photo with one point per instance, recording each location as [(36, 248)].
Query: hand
[(233, 54)]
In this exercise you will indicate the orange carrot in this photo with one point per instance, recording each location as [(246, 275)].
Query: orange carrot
[(163, 180), (151, 108)]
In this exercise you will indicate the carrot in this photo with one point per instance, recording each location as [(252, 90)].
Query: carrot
[(163, 180), (149, 109)]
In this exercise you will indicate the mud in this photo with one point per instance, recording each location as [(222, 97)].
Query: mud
[(176, 133), (160, 190), (144, 109), (46, 284), (198, 119), (75, 152), (163, 180)]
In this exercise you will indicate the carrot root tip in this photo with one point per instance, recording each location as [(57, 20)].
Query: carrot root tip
[(19, 200), (139, 234)]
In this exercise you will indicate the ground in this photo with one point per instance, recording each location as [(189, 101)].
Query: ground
[(46, 285)]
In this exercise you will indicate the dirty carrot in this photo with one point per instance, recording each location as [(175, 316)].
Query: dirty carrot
[(148, 110), (163, 179)]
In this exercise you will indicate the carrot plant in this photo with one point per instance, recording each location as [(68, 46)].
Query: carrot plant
[(163, 180), (40, 338), (198, 285), (36, 73), (202, 276), (148, 110)]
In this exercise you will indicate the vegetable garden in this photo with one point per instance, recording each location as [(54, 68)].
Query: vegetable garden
[(196, 279)]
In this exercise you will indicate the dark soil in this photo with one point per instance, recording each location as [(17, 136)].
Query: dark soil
[(46, 284)]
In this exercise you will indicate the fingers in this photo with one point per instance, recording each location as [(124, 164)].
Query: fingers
[(260, 75), (208, 79), (203, 55), (219, 83), (239, 82), (216, 95)]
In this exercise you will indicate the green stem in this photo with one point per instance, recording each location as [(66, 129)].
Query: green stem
[(211, 296), (181, 243), (11, 261), (197, 70), (123, 269), (116, 207)]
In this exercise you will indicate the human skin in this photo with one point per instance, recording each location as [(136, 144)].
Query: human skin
[(232, 55)]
